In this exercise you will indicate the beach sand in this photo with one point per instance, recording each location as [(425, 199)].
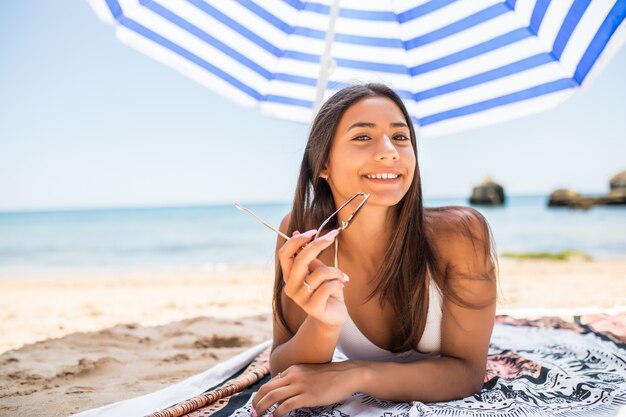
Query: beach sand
[(70, 344)]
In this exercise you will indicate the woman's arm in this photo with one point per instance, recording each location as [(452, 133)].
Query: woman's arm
[(458, 373), (316, 333), (465, 332), (314, 342)]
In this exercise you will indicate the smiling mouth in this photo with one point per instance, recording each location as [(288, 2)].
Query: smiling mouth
[(385, 176)]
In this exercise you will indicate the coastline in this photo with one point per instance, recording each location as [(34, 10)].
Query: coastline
[(70, 344)]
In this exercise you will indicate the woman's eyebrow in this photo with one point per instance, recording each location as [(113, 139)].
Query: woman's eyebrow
[(361, 124), (373, 125)]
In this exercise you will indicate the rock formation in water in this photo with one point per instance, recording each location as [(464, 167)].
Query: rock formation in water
[(618, 181), (488, 193), (562, 197), (568, 198)]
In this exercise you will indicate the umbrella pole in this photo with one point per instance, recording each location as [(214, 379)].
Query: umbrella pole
[(326, 61)]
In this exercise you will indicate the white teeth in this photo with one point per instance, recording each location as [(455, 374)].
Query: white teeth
[(384, 176)]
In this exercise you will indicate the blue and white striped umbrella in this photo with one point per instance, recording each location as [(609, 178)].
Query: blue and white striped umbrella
[(456, 64)]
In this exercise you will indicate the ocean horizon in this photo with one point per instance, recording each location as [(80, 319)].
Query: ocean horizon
[(217, 237)]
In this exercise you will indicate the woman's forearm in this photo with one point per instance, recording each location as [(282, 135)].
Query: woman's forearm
[(427, 380), (314, 342)]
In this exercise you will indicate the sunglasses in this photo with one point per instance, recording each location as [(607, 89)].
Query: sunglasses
[(344, 224)]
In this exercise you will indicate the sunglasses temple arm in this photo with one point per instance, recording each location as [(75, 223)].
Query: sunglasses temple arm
[(269, 226), (365, 198)]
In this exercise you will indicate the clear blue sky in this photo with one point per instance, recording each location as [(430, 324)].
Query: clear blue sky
[(88, 122)]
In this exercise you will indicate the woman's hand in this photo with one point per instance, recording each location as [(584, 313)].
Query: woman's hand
[(307, 386), (298, 260)]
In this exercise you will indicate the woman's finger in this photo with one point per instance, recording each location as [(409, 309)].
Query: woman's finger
[(300, 266), (292, 290), (319, 276), (322, 273), (289, 249), (299, 287), (296, 401), (319, 298), (316, 263), (276, 395), (273, 383)]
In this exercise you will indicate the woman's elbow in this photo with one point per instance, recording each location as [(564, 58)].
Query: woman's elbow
[(475, 387), (474, 383), (474, 379)]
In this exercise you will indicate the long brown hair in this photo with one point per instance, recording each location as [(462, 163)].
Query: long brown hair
[(401, 279)]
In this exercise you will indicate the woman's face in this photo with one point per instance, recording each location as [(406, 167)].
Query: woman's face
[(371, 152)]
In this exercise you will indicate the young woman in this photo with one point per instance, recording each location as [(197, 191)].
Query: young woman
[(407, 293)]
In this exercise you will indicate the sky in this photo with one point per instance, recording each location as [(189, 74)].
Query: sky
[(86, 122)]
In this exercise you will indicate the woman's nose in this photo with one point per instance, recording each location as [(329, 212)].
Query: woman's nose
[(386, 149)]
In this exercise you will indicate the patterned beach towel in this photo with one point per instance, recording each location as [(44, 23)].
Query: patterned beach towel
[(548, 366)]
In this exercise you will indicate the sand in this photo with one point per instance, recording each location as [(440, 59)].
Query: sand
[(70, 344)]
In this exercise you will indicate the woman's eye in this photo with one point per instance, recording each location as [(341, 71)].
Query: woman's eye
[(401, 137), (362, 138)]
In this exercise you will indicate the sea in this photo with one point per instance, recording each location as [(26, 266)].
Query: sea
[(218, 237)]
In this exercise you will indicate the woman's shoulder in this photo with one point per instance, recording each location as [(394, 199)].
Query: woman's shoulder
[(454, 222), (461, 239), (458, 234)]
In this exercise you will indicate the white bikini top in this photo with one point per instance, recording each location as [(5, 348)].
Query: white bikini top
[(354, 345)]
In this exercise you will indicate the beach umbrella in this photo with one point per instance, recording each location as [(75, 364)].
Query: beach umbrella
[(456, 64)]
